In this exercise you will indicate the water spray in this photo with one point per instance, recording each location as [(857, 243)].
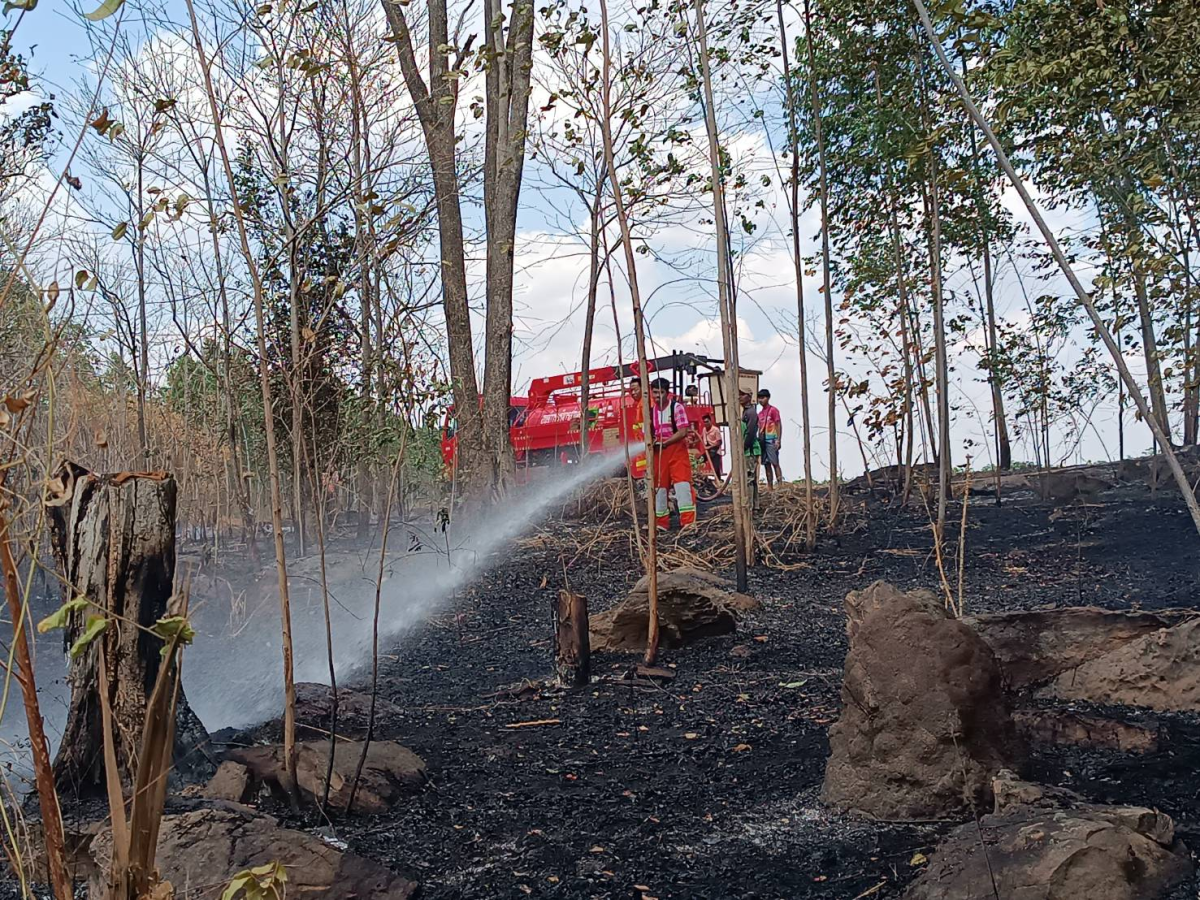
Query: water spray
[(231, 680)]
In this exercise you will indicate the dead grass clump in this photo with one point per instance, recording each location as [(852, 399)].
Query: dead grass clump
[(603, 535), (599, 501)]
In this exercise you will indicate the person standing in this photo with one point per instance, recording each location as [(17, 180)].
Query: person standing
[(770, 432), (713, 444), (750, 443), (672, 462), (634, 429)]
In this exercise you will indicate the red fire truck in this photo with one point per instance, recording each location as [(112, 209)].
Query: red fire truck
[(544, 427)]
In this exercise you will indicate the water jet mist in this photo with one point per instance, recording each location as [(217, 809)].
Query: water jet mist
[(234, 679)]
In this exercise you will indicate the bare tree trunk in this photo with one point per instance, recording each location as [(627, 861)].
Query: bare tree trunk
[(39, 748), (1003, 443), (639, 330), (827, 281), (297, 391), (1000, 423), (1154, 380), (939, 342), (742, 526), (572, 646), (242, 486), (360, 158), (436, 105), (1085, 299), (114, 539), (933, 219), (589, 321), (907, 348), (1191, 397), (506, 90), (285, 606), (143, 367), (612, 301), (810, 534)]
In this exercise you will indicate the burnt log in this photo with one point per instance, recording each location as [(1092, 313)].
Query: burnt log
[(572, 647), (113, 537)]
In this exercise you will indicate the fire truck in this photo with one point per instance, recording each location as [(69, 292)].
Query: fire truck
[(544, 426)]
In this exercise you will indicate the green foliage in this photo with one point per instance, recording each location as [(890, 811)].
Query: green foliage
[(104, 10), (173, 628), (61, 616), (266, 882), (96, 626), (22, 137)]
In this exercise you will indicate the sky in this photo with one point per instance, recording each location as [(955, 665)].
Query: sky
[(551, 282)]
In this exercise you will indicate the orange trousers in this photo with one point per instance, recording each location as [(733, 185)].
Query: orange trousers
[(673, 469)]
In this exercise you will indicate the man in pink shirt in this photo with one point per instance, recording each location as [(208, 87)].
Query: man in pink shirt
[(672, 462), (770, 433)]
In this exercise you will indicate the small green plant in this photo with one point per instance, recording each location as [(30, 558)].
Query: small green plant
[(260, 883)]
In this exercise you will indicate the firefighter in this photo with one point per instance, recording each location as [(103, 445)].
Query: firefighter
[(633, 428), (672, 462)]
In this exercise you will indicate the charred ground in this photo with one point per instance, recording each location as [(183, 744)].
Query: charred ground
[(707, 786)]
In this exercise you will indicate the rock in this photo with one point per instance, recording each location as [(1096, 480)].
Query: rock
[(1035, 646), (1046, 844), (1137, 471), (1071, 487), (1160, 670), (78, 835), (1044, 726), (200, 851), (1155, 472), (314, 703), (233, 782), (692, 604), (1011, 792), (887, 481), (925, 722), (688, 580), (390, 772)]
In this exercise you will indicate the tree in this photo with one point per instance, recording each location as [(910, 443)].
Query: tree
[(790, 102), (1103, 130), (485, 458)]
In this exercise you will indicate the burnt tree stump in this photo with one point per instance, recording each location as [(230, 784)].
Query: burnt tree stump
[(572, 647), (113, 537)]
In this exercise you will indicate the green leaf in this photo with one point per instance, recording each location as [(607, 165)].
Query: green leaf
[(104, 10), (58, 618), (119, 231), (169, 627), (259, 883), (95, 627), (236, 885), (274, 870)]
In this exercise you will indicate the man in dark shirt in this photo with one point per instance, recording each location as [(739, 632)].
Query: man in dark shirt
[(750, 442)]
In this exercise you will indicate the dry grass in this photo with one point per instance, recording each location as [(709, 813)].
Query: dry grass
[(599, 501), (603, 532)]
